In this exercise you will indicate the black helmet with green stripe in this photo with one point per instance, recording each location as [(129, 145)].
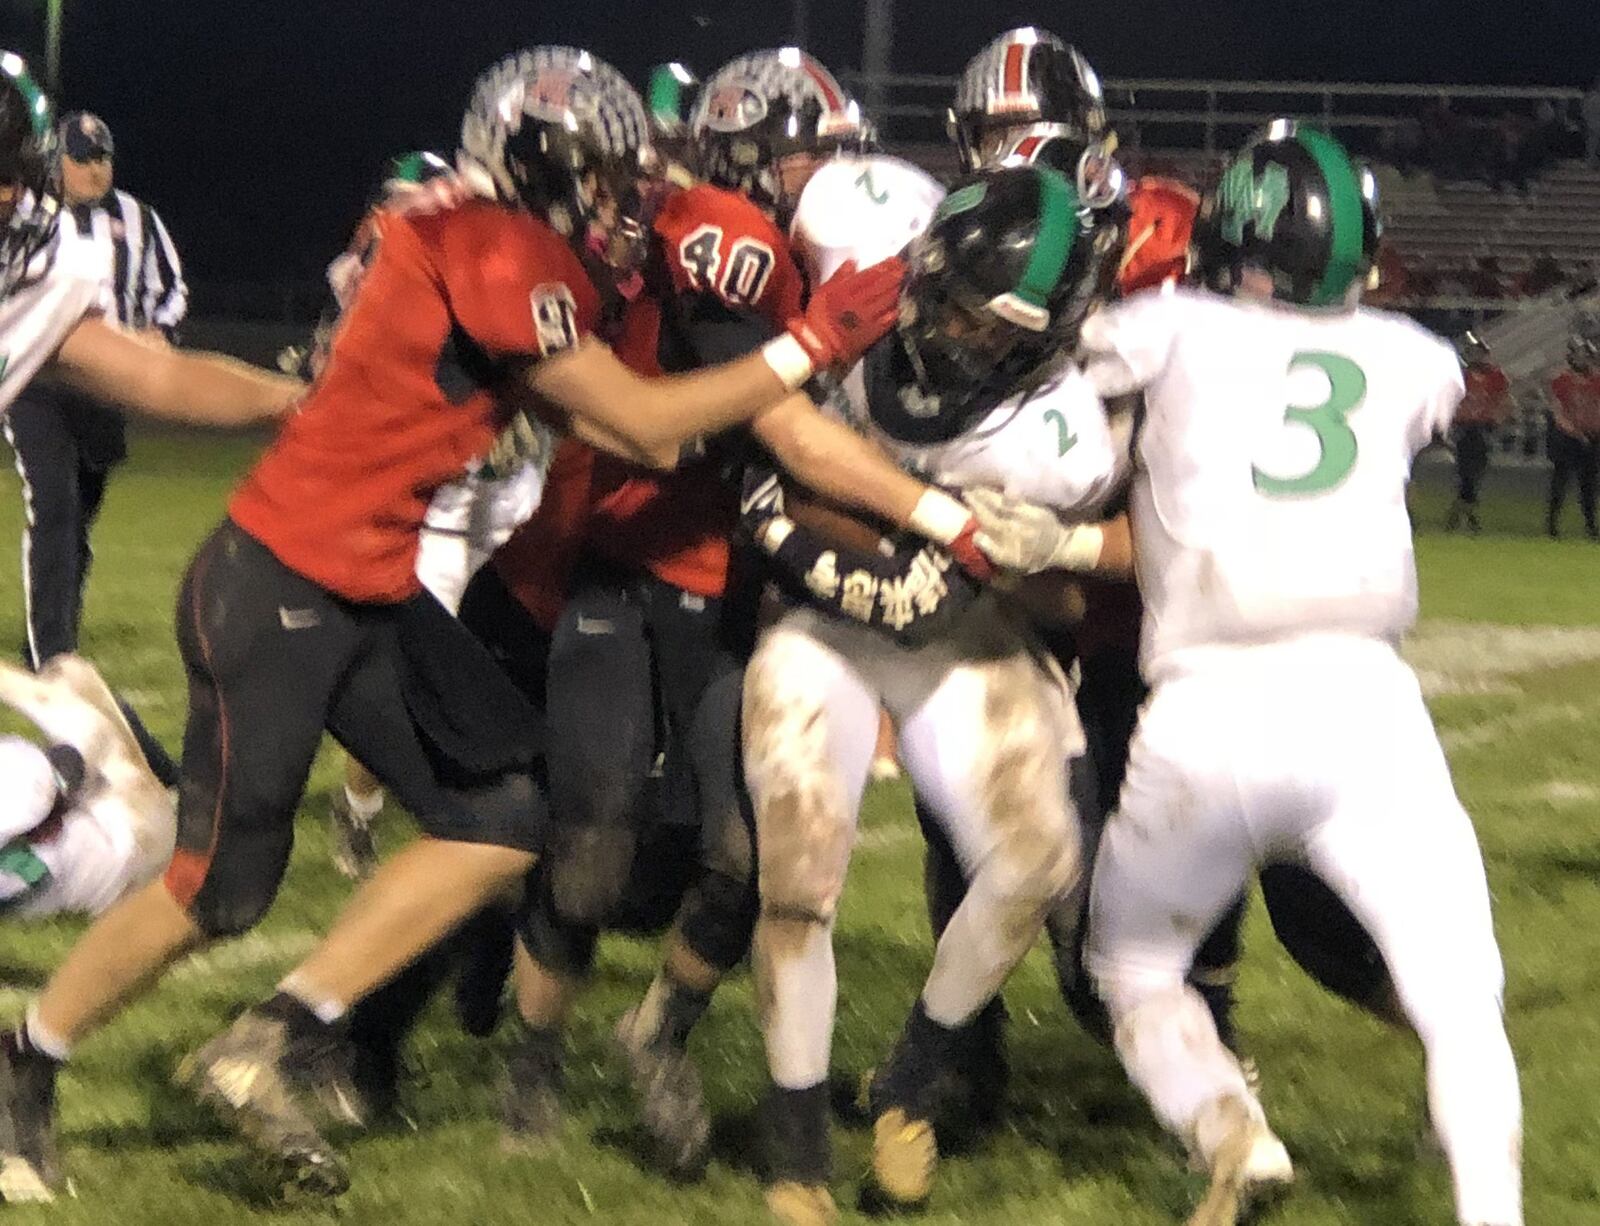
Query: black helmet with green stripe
[(1294, 205), (30, 196), (998, 285)]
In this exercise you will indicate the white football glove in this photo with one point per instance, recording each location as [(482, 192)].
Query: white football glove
[(1025, 539)]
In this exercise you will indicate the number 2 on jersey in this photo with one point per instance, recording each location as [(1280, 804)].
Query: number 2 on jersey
[(1336, 442)]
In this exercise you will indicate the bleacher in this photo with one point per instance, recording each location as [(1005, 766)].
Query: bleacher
[(1453, 224)]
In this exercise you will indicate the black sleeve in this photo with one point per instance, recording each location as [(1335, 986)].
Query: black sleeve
[(911, 593), (711, 332)]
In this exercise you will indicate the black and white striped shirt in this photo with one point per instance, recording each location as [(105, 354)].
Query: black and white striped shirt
[(142, 268)]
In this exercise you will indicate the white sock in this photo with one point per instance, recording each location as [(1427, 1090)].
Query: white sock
[(42, 1039), (327, 1009), (364, 805), (799, 990)]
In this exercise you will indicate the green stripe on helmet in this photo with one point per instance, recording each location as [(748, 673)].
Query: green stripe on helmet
[(39, 110), (666, 94), (1347, 225), (409, 167), (1058, 231)]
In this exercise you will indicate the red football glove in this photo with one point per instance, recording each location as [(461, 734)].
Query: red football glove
[(848, 312), (964, 549)]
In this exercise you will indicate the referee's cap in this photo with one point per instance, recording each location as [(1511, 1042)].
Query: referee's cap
[(85, 136)]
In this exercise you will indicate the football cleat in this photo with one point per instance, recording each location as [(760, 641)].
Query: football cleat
[(354, 853), (29, 1168), (244, 1074), (671, 1101), (1248, 1166), (905, 1155), (530, 1105), (801, 1204)]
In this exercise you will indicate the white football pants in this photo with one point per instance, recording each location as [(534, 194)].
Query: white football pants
[(1318, 750), (987, 728)]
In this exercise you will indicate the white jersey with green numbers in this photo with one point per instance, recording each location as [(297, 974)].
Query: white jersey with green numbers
[(67, 283), (1269, 496), (1052, 447)]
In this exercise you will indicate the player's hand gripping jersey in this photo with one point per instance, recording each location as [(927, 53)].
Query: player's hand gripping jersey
[(454, 300), (1273, 460), (1050, 446), (64, 285)]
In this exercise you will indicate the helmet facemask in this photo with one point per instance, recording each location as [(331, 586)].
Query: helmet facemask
[(562, 134), (30, 186), (766, 121)]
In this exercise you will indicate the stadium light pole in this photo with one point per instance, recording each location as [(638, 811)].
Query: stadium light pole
[(52, 44), (877, 35)]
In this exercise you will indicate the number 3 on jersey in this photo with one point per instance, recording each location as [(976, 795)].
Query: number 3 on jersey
[(743, 277), (1336, 442)]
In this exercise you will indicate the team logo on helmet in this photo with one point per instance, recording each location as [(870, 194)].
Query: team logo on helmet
[(733, 107)]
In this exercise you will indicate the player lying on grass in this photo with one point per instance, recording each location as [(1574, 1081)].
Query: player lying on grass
[(83, 821), (1275, 559), (302, 612)]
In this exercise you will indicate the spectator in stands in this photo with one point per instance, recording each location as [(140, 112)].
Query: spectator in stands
[(1591, 122), (1485, 409), (1394, 277), (1574, 437), (1544, 275), (1484, 278)]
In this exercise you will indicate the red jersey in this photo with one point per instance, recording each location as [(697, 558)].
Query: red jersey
[(1579, 398), (1488, 400), (1159, 233), (450, 301), (536, 563), (715, 244)]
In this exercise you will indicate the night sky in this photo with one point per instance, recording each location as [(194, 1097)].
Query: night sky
[(257, 127)]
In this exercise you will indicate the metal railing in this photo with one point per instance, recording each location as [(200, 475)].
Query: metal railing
[(1207, 115)]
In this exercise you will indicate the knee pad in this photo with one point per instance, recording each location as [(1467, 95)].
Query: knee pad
[(718, 918), (565, 948), (804, 856), (589, 867)]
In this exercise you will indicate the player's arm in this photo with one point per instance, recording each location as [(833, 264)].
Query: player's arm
[(831, 459), (159, 381), (591, 384), (910, 589)]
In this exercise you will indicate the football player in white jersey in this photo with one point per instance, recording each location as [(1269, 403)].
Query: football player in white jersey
[(51, 299), (82, 822), (968, 390), (1275, 559)]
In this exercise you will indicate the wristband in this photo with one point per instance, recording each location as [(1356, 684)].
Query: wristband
[(789, 361), (1080, 549), (939, 517)]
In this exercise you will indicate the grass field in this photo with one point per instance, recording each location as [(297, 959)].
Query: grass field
[(1510, 651)]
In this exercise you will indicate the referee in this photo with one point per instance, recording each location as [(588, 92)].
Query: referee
[(65, 443)]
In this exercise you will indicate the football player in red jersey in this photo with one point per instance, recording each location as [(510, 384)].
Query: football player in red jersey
[(653, 612), (1486, 407), (302, 611), (1573, 441)]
